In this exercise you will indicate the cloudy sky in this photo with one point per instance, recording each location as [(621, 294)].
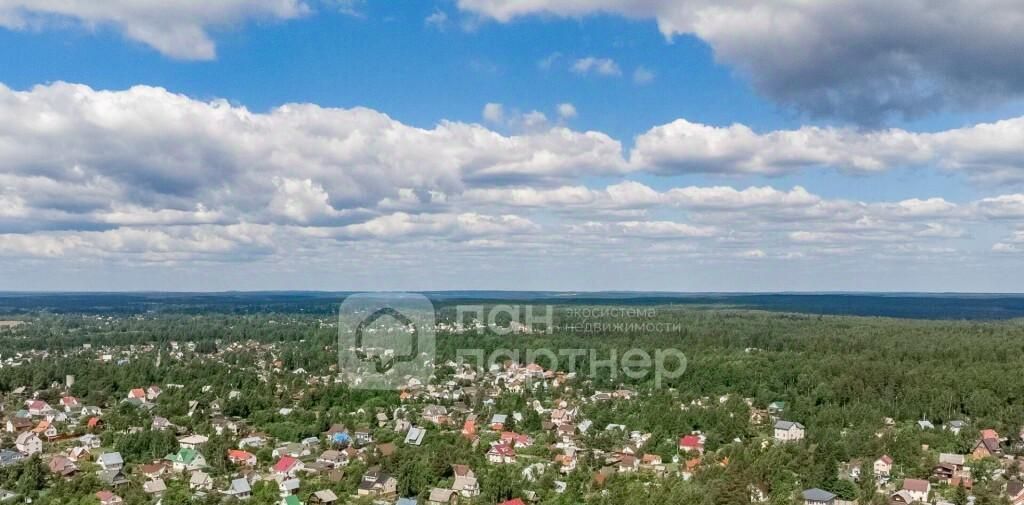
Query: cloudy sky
[(678, 145)]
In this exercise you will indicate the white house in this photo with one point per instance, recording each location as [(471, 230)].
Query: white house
[(111, 461), (788, 431), (28, 443), (917, 489), (883, 467), (192, 441)]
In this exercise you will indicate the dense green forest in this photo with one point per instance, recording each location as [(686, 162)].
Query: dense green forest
[(839, 376)]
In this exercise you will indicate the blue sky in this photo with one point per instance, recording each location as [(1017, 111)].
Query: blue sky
[(860, 160)]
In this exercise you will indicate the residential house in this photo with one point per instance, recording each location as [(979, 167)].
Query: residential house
[(377, 484), (916, 489), (817, 496), (516, 440), (465, 481), (240, 457), (332, 458), (200, 481), (108, 498), (38, 408), (288, 466), (113, 477), (566, 462), (628, 463), (691, 444), (70, 404), (251, 441), (153, 470), (62, 467), (18, 424), (192, 441), (293, 449), (788, 431), (155, 487), (161, 424), (442, 496), (79, 454), (652, 463), (323, 497), (883, 467), (9, 457), (46, 429), (186, 460), (362, 436), (239, 488), (436, 414), (987, 445), (28, 443), (500, 454), (469, 427), (415, 436), (288, 487), (90, 440)]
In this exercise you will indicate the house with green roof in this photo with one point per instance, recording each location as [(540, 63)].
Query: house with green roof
[(186, 460)]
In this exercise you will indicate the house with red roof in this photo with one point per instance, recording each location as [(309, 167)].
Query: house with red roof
[(287, 465), (500, 454), (691, 443), (107, 498), (38, 407), (469, 428), (987, 446), (516, 440), (239, 457), (70, 403), (883, 466)]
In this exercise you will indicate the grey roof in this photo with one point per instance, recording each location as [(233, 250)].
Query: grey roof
[(112, 477), (463, 482), (8, 457), (415, 436), (326, 495), (154, 486), (111, 458), (785, 425), (819, 495), (440, 495), (241, 486), (953, 459)]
